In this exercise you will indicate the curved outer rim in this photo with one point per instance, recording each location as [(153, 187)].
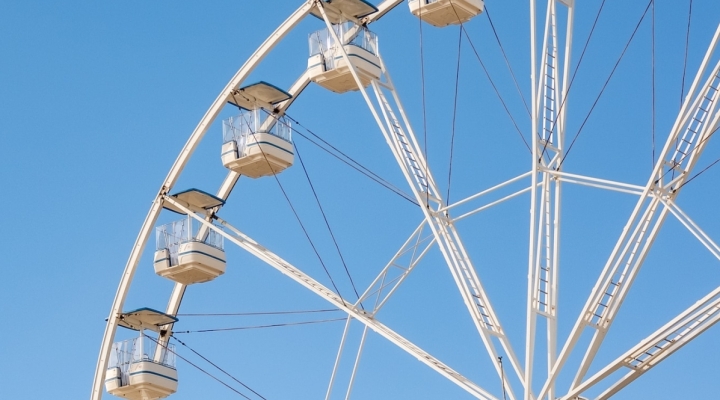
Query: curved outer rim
[(178, 166)]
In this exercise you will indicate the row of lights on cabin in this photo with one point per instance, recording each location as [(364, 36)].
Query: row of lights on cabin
[(256, 143)]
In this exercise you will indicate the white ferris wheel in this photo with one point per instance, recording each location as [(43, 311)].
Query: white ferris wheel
[(531, 352)]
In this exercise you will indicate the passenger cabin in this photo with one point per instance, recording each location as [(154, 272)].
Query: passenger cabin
[(327, 65), (140, 368), (186, 251), (257, 142), (446, 12)]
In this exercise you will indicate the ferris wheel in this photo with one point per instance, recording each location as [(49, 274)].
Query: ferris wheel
[(529, 358)]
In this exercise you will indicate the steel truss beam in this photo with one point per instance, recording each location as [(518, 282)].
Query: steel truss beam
[(693, 228), (548, 117), (353, 373), (245, 242), (404, 146), (486, 192), (411, 252), (595, 182), (407, 152), (656, 347), (697, 120), (337, 359)]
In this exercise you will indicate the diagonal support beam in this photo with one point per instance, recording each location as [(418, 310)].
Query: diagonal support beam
[(406, 150), (703, 237), (353, 372), (338, 357), (245, 242), (402, 263), (597, 182), (657, 347), (223, 192), (486, 192), (403, 144), (695, 124)]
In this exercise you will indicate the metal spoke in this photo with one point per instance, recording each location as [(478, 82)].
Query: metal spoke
[(657, 347), (548, 116), (402, 142), (695, 124), (245, 242)]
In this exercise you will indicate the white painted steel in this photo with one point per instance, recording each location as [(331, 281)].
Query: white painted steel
[(179, 164), (647, 217), (596, 182), (548, 117), (357, 362), (169, 182), (416, 172), (245, 242), (549, 94), (484, 192), (658, 346), (338, 357), (491, 204), (530, 317), (417, 246), (693, 227)]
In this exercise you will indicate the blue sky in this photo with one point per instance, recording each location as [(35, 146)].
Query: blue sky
[(98, 98)]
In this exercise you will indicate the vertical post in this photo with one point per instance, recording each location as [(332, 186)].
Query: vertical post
[(141, 345), (357, 362), (411, 161), (337, 359), (530, 318), (549, 96)]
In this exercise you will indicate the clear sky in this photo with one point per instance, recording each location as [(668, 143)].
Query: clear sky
[(98, 98)]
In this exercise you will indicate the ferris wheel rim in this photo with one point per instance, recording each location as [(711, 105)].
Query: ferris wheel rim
[(179, 164)]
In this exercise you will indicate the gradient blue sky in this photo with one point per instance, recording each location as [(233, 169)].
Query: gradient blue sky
[(98, 97)]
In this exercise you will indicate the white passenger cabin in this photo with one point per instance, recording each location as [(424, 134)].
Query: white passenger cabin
[(327, 65), (257, 142), (186, 252), (446, 12), (139, 368)]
